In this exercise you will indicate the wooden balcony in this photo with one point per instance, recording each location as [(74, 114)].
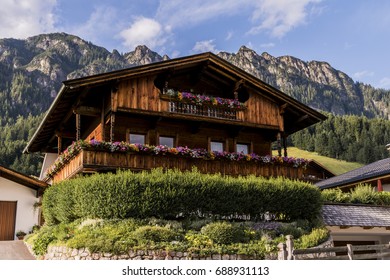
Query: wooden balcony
[(202, 110), (87, 161)]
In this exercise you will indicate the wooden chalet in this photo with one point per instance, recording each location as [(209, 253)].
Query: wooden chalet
[(198, 103)]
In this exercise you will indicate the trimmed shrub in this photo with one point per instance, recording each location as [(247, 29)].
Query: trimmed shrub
[(224, 233), (172, 194), (147, 234)]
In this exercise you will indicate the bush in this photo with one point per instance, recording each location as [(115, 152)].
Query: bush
[(171, 194), (335, 195), (364, 194), (147, 234), (224, 233), (315, 238)]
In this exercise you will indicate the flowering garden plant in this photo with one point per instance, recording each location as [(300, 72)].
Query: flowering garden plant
[(124, 147), (199, 99)]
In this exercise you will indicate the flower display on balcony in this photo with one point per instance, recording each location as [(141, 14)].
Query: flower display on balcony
[(124, 147), (199, 99)]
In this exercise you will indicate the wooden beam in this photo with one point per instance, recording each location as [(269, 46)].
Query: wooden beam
[(87, 111), (65, 134), (301, 119), (282, 108), (239, 84)]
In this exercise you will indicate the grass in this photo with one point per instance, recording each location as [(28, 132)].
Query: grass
[(334, 165)]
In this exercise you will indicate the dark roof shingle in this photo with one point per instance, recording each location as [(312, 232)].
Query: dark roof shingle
[(372, 170), (356, 215)]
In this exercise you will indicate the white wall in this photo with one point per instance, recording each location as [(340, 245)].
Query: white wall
[(26, 217), (50, 158)]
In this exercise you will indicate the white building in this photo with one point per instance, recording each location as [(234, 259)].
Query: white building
[(19, 197)]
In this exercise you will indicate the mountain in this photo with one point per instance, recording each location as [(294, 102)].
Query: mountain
[(32, 70), (314, 83)]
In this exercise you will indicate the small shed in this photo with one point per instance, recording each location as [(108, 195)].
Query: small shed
[(19, 196), (376, 174), (357, 224)]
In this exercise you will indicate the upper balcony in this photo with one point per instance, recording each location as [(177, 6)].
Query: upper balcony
[(94, 156)]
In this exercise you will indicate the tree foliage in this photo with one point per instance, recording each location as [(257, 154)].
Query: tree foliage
[(350, 138)]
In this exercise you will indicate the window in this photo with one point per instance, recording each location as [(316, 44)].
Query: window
[(216, 146), (167, 141), (242, 148), (137, 138)]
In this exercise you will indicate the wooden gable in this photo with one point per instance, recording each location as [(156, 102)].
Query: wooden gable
[(92, 104)]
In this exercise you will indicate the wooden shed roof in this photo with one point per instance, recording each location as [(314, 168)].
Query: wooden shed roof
[(22, 179), (373, 171), (298, 116), (356, 215)]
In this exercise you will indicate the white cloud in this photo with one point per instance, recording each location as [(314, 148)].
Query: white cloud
[(99, 25), (279, 16), (24, 18), (385, 83), (183, 14), (267, 45), (144, 31), (362, 74), (204, 46), (229, 36), (274, 16)]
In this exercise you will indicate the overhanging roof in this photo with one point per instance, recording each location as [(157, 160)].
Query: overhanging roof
[(349, 215), (372, 171), (71, 89), (22, 179)]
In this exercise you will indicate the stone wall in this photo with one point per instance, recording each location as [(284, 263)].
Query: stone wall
[(65, 253)]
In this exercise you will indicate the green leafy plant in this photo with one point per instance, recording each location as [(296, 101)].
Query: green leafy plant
[(224, 232), (364, 194), (335, 195)]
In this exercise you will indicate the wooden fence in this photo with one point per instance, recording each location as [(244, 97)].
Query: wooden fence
[(348, 252)]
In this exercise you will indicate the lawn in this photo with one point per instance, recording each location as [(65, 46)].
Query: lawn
[(334, 165)]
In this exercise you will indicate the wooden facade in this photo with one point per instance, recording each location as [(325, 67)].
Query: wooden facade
[(234, 108)]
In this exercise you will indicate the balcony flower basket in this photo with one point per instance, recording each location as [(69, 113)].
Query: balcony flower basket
[(160, 150)]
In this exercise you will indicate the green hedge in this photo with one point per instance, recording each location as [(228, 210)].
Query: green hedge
[(169, 194)]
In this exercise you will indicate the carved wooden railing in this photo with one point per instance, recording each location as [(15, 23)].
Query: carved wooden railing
[(203, 110)]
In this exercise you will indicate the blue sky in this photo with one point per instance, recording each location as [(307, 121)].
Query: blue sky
[(352, 35)]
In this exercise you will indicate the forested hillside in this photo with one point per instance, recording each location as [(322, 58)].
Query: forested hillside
[(32, 70), (350, 138)]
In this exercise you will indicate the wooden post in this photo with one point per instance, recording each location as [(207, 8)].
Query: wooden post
[(279, 144), (290, 247), (285, 145), (282, 252), (78, 124), (379, 185), (350, 251), (112, 127), (59, 141)]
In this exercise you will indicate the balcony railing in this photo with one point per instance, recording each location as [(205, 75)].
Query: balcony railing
[(94, 156), (203, 110)]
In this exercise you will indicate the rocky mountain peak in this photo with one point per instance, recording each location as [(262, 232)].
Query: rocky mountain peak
[(142, 55)]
